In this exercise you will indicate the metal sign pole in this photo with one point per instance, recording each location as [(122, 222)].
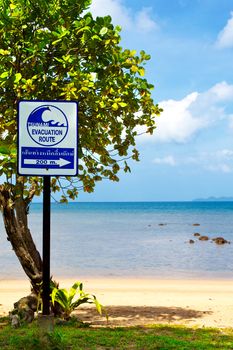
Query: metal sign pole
[(46, 246)]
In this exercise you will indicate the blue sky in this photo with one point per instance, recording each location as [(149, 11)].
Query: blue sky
[(190, 154)]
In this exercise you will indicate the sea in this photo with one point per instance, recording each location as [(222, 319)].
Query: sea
[(131, 239)]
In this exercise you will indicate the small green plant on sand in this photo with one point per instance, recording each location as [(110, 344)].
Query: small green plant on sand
[(72, 299)]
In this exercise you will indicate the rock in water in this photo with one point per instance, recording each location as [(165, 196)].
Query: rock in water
[(203, 238), (220, 240)]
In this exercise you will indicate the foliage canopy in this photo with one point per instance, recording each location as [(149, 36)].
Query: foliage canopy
[(55, 49)]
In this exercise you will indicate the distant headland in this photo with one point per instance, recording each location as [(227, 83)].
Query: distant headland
[(214, 199)]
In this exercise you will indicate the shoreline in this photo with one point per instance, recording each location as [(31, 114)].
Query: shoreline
[(23, 278), (191, 302)]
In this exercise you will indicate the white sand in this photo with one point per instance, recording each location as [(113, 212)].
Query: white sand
[(138, 301)]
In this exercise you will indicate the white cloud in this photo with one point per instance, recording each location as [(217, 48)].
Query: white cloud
[(220, 161), (177, 123), (222, 168), (143, 21), (124, 16), (217, 161), (183, 119), (120, 14), (221, 92), (168, 160), (225, 37), (224, 154)]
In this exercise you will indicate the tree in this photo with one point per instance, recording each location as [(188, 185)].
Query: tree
[(54, 49)]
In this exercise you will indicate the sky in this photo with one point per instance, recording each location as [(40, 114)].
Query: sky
[(190, 154)]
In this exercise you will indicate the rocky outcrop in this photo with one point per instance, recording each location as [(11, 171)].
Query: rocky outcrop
[(217, 240), (203, 238), (220, 240)]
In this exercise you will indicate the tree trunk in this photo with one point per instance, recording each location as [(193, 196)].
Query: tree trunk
[(18, 233)]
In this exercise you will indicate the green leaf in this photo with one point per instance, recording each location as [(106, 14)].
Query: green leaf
[(97, 305), (123, 104), (141, 71), (4, 52), (103, 31), (4, 75), (115, 106), (134, 69), (96, 37), (73, 290), (53, 295), (18, 77), (55, 42), (4, 150), (83, 29)]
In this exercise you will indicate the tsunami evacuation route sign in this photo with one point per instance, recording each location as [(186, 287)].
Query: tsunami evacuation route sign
[(47, 138)]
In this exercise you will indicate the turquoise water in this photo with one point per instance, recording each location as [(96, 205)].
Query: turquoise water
[(125, 239)]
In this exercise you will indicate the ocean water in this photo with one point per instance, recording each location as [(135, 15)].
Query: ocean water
[(126, 239)]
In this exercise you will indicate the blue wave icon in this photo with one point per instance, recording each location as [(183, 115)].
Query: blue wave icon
[(36, 117)]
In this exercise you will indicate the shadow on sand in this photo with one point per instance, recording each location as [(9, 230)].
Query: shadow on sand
[(140, 315)]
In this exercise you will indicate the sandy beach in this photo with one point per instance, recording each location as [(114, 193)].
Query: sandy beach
[(129, 301)]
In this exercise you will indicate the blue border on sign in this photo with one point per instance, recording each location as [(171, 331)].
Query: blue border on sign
[(18, 127)]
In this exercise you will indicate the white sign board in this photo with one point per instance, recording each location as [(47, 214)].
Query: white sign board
[(47, 138)]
